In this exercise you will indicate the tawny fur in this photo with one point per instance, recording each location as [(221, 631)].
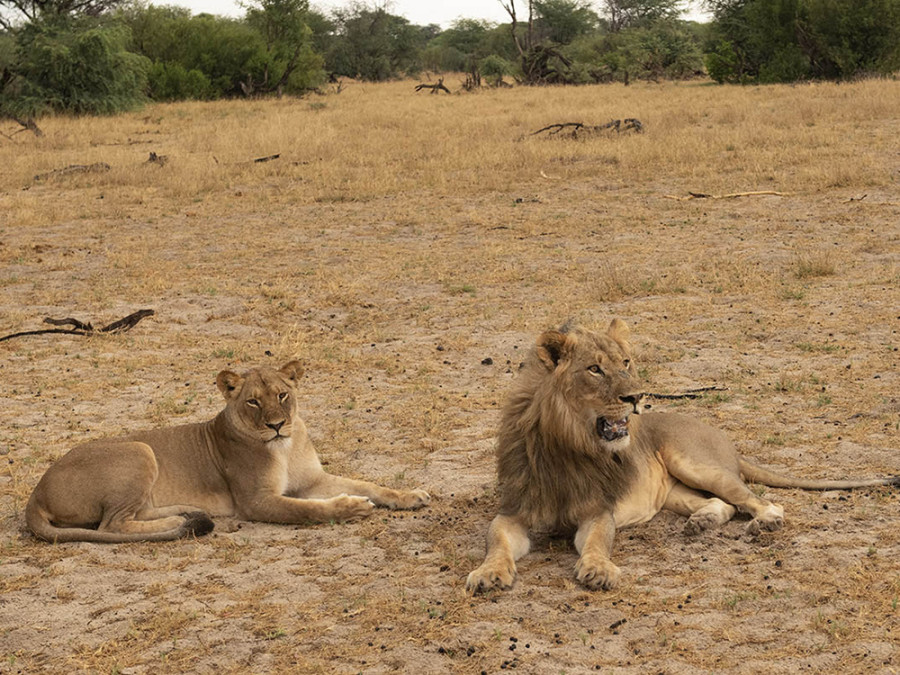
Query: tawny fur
[(566, 462), (254, 460)]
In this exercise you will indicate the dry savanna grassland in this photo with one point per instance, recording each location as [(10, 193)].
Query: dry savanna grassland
[(408, 248)]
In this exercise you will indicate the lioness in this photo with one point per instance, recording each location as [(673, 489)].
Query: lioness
[(572, 456), (254, 460)]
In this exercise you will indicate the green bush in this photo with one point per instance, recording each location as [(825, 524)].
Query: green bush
[(74, 67), (493, 68), (174, 82), (788, 40)]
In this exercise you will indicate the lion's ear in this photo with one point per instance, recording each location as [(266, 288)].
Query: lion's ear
[(620, 332), (228, 383), (293, 370), (550, 347)]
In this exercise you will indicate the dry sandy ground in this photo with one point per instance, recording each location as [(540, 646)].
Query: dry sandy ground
[(394, 304)]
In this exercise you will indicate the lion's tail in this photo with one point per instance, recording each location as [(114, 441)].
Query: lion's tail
[(38, 521), (757, 474)]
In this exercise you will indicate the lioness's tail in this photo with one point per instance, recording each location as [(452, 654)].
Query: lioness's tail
[(757, 474), (38, 521)]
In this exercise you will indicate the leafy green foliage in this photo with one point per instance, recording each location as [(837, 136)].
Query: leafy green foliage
[(787, 40), (225, 51), (562, 21), (493, 68), (174, 82), (76, 67), (372, 44), (289, 63), (662, 50), (622, 14)]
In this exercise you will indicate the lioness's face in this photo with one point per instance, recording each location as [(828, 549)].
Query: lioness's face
[(600, 378), (262, 402)]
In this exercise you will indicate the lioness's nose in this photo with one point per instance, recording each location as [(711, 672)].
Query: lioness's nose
[(276, 425)]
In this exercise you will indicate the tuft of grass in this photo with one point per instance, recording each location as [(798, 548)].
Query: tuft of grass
[(814, 264)]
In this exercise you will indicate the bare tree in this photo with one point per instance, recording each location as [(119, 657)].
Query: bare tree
[(541, 63)]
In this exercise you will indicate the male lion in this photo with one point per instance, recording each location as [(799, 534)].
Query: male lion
[(254, 460), (571, 457)]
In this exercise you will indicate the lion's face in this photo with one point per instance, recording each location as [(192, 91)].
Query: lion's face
[(262, 403), (597, 377)]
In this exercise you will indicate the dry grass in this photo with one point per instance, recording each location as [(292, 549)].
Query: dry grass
[(397, 243)]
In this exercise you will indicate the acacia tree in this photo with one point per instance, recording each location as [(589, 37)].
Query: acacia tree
[(13, 12), (787, 40), (373, 44), (621, 14), (288, 38)]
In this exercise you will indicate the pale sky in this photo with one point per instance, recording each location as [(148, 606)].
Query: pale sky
[(420, 12)]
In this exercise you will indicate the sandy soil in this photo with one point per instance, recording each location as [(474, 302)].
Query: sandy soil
[(396, 308)]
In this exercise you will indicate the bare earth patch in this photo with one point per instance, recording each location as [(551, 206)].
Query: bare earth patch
[(409, 251)]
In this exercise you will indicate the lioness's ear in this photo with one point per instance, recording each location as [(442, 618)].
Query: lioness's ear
[(292, 370), (550, 347), (228, 383), (620, 332)]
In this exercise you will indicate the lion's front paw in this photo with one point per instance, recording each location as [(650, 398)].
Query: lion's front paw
[(491, 575), (771, 519), (595, 571), (700, 522), (348, 507)]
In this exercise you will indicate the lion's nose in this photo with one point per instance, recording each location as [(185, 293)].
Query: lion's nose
[(632, 399), (276, 426)]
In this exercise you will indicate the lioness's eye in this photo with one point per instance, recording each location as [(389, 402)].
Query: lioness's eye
[(283, 396), (252, 402), (595, 369)]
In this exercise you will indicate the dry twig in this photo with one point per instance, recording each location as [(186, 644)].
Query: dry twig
[(81, 328), (96, 167), (732, 195), (690, 393)]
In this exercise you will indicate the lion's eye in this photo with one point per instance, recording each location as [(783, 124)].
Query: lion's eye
[(252, 402), (595, 369), (283, 396)]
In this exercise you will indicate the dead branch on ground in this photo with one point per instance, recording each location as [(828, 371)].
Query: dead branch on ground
[(259, 160), (732, 195), (96, 167), (81, 328), (435, 88), (690, 393), (27, 124), (577, 129)]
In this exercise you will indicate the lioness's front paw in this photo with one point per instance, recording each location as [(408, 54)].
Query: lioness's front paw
[(347, 507), (595, 571), (414, 499), (771, 519), (491, 575)]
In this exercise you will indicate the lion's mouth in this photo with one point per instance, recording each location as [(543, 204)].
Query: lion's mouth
[(612, 431)]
